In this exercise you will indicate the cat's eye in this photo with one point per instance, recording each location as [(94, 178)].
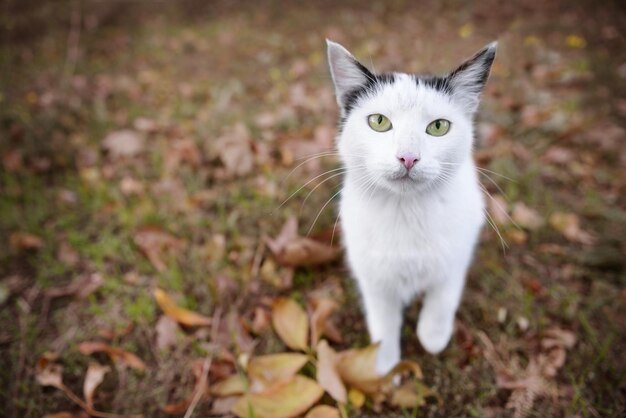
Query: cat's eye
[(438, 127), (379, 123)]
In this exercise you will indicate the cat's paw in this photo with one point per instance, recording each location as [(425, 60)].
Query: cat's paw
[(386, 360), (434, 336)]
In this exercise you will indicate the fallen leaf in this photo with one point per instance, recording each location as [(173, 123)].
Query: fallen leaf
[(155, 243), (293, 251), (498, 209), (323, 411), (232, 385), (557, 337), (123, 143), (322, 309), (274, 369), (223, 406), (260, 320), (527, 217), (357, 368), (81, 287), (327, 374), (49, 374), (290, 323), (235, 151), (180, 315), (117, 354), (93, 378), (289, 400), (356, 398), (568, 224), (25, 241)]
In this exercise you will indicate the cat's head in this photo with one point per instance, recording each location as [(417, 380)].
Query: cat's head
[(406, 132)]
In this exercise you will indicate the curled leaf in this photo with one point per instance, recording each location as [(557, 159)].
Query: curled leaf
[(327, 374), (357, 368), (322, 309), (286, 401), (116, 354), (291, 323), (95, 376), (180, 315)]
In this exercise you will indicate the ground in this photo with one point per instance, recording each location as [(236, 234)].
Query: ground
[(146, 145)]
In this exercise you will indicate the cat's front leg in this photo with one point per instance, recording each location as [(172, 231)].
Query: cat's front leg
[(383, 309), (436, 320)]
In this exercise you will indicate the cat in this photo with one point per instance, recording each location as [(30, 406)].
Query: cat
[(411, 207)]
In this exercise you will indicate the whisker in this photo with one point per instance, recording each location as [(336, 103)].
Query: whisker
[(320, 212)]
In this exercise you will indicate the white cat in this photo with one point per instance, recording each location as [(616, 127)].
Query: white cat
[(411, 205)]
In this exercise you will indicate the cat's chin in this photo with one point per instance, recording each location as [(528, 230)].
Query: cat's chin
[(405, 184)]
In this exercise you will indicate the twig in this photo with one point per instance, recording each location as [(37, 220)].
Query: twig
[(204, 377)]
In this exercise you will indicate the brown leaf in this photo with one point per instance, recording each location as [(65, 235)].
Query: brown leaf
[(49, 373), (286, 401), (293, 251), (95, 376), (527, 217), (260, 320), (25, 241), (412, 394), (155, 243), (117, 354), (327, 374), (323, 411), (322, 309), (82, 287), (181, 315), (357, 368), (568, 224), (232, 385), (235, 151), (274, 369), (290, 323), (123, 143)]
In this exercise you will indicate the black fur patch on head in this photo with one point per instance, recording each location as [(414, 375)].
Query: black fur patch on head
[(372, 82), (440, 84)]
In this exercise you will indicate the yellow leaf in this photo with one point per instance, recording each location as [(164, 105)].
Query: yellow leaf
[(273, 369), (327, 374), (291, 323), (411, 394), (575, 41), (466, 30), (356, 397), (181, 315), (232, 385), (323, 411), (357, 368), (286, 401)]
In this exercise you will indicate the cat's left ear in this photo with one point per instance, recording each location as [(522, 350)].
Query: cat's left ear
[(468, 80)]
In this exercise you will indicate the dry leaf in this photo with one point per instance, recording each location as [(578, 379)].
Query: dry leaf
[(357, 368), (411, 395), (123, 143), (327, 374), (155, 243), (49, 374), (232, 385), (322, 309), (93, 378), (235, 151), (25, 241), (291, 323), (222, 406), (356, 398), (274, 369), (181, 315), (568, 224), (323, 411), (527, 217), (286, 401), (293, 251), (117, 354), (557, 337)]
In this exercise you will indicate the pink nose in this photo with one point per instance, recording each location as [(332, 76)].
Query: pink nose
[(408, 159)]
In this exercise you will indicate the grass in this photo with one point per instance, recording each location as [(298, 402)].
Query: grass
[(196, 79)]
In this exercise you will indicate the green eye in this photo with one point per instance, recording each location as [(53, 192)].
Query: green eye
[(438, 127), (379, 123)]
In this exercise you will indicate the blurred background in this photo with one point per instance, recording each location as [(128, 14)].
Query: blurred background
[(164, 145)]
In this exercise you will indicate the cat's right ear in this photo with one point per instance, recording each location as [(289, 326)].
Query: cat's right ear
[(348, 74)]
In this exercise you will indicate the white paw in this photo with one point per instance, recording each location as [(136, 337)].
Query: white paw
[(434, 336)]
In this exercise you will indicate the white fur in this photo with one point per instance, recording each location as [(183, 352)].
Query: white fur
[(412, 235)]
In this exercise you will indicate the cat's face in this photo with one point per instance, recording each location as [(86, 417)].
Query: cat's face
[(403, 132)]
